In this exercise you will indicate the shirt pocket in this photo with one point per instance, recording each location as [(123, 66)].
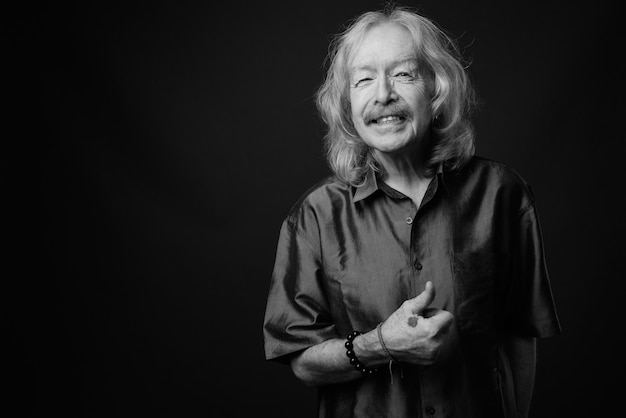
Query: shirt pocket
[(474, 293)]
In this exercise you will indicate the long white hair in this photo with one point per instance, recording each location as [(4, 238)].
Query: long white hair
[(452, 137)]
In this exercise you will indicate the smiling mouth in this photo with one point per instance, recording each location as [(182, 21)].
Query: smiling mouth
[(387, 119)]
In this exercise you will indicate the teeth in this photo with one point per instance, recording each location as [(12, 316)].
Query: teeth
[(388, 119)]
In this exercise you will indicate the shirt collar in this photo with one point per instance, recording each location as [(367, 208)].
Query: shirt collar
[(370, 184)]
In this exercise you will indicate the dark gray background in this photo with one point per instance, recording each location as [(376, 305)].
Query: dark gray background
[(155, 148)]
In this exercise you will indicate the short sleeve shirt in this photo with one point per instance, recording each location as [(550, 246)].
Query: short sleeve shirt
[(348, 257)]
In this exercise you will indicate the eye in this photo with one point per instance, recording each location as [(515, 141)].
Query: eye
[(362, 81), (404, 75)]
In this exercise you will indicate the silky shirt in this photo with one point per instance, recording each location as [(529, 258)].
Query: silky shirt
[(348, 257)]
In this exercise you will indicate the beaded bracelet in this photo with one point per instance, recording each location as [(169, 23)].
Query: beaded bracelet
[(352, 356)]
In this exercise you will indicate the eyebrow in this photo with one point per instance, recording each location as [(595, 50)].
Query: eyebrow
[(408, 60)]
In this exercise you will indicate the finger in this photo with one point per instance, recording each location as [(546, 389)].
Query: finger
[(442, 320), (428, 312), (421, 301)]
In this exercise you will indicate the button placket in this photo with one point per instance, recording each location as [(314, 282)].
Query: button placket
[(409, 218), (417, 265)]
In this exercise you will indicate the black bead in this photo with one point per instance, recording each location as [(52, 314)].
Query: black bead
[(353, 359), (353, 335)]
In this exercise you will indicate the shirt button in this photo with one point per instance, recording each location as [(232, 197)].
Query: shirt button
[(409, 220), (418, 265), (430, 410)]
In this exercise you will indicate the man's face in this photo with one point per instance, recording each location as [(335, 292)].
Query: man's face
[(389, 95)]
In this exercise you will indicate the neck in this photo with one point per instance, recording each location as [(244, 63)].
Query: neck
[(406, 173), (405, 166)]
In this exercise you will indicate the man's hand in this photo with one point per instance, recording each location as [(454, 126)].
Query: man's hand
[(415, 333)]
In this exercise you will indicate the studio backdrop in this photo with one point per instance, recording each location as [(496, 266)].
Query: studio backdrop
[(163, 143)]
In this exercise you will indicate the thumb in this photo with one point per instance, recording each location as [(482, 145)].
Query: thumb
[(421, 301)]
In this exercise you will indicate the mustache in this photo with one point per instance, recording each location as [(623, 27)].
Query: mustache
[(395, 109)]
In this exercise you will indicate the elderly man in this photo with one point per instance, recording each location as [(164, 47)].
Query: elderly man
[(412, 282)]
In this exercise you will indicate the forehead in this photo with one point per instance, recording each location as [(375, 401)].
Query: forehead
[(383, 44)]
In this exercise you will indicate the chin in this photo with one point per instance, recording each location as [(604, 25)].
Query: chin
[(388, 145)]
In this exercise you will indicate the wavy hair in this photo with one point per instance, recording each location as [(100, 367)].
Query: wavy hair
[(452, 133)]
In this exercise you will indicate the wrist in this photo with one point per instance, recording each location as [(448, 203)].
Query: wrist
[(353, 359), (369, 350)]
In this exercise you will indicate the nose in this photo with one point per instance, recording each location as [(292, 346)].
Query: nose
[(385, 92)]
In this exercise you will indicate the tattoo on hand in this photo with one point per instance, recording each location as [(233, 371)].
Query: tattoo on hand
[(412, 321)]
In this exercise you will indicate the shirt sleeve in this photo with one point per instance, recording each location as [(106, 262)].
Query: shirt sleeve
[(297, 315), (536, 314)]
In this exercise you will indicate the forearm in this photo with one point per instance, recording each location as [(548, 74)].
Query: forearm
[(410, 338), (327, 363)]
